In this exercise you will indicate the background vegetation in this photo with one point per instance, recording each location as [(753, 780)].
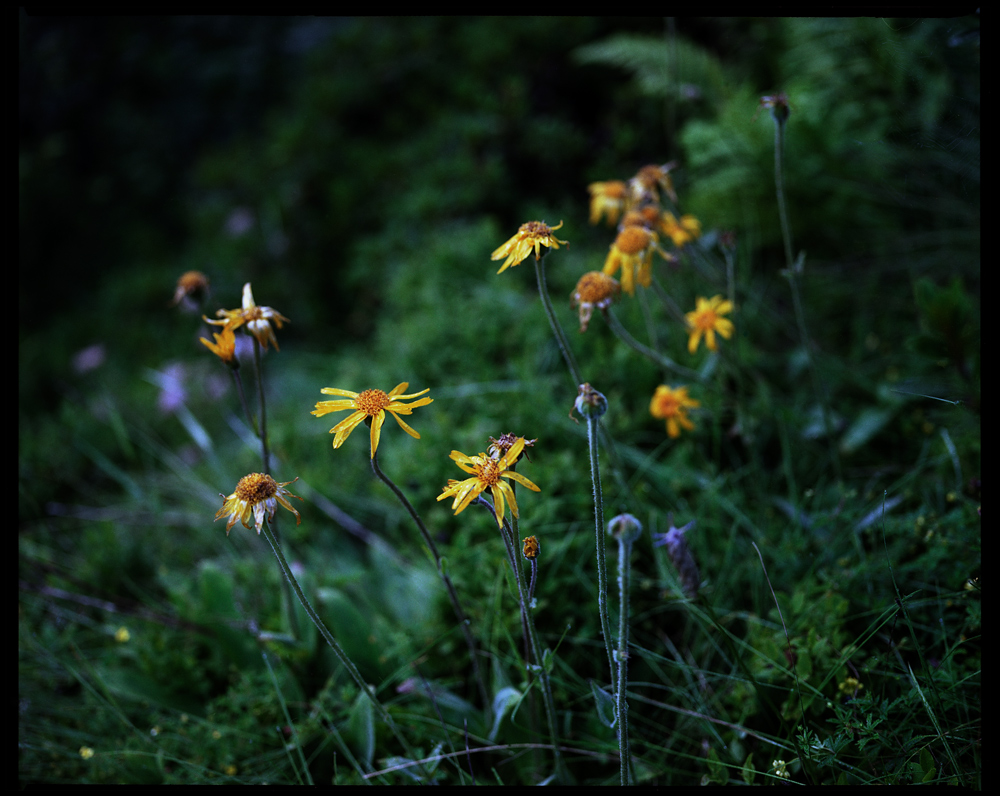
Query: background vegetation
[(358, 172)]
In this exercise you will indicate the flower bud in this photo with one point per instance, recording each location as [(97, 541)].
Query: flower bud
[(625, 527)]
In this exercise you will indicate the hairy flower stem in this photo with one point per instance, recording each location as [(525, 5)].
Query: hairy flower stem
[(624, 571), (348, 664), (463, 620), (792, 272), (602, 567), (664, 362), (543, 291)]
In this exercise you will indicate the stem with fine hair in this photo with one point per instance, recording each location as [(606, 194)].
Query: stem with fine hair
[(347, 663), (624, 571), (463, 620), (602, 568), (543, 291)]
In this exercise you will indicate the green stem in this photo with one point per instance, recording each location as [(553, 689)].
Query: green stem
[(602, 569), (554, 322), (664, 362), (624, 571), (779, 184), (463, 620), (348, 664)]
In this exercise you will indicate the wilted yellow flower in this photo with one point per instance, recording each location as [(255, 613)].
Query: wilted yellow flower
[(683, 231), (671, 405), (707, 319), (530, 236), (530, 550), (595, 289), (370, 404), (191, 285), (486, 474), (224, 346), (257, 319), (607, 199), (646, 216), (256, 494), (632, 251), (643, 185)]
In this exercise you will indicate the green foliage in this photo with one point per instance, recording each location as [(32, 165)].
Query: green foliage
[(360, 181)]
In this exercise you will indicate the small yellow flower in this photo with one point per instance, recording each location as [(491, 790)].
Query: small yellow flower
[(632, 251), (595, 289), (642, 186), (86, 752), (850, 686), (257, 319), (370, 404), (530, 550), (607, 199), (486, 474), (530, 236), (191, 286), (671, 405), (680, 232), (224, 346), (256, 494), (707, 319), (122, 635)]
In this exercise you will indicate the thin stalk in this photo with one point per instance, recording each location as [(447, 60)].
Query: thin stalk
[(792, 272), (602, 568), (567, 353), (347, 663), (653, 356), (624, 571), (463, 620)]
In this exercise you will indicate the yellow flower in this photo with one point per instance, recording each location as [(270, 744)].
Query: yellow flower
[(256, 494), (257, 319), (529, 236), (595, 289), (530, 550), (683, 231), (224, 346), (632, 251), (707, 319), (486, 474), (86, 752), (122, 635), (670, 405), (369, 404), (608, 199)]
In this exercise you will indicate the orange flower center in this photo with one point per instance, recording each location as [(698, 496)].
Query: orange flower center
[(535, 229), (371, 402), (488, 473), (594, 287), (632, 240), (256, 488)]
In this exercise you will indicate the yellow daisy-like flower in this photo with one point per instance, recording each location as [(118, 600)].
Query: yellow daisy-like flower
[(707, 319), (632, 251), (595, 289), (671, 405), (530, 236), (370, 404), (224, 346), (607, 199), (257, 319), (256, 495), (486, 474), (680, 231)]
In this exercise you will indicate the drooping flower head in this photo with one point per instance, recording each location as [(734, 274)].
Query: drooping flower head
[(487, 473), (224, 346), (707, 319), (607, 199), (257, 319), (256, 495), (192, 286), (530, 236), (632, 251), (672, 405), (681, 231), (530, 550), (643, 186), (370, 404), (595, 289)]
